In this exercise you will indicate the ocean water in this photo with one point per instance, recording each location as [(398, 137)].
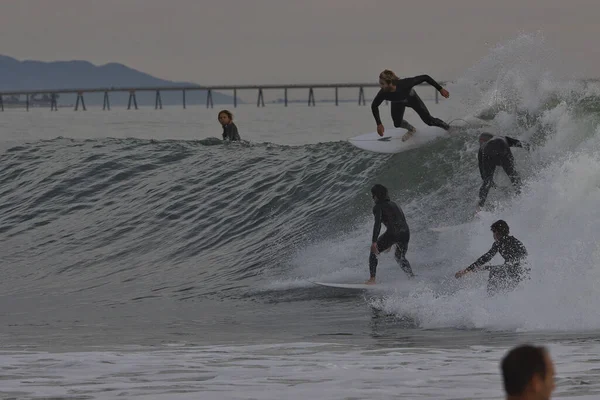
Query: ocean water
[(144, 258)]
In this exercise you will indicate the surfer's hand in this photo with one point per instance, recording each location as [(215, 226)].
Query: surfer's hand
[(460, 273), (380, 130), (374, 248), (444, 93)]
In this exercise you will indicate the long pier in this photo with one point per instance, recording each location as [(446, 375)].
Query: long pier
[(260, 102)]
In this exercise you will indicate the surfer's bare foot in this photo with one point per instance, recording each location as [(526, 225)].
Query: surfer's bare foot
[(370, 281), (408, 135)]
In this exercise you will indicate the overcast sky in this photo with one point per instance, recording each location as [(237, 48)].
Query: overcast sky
[(277, 41)]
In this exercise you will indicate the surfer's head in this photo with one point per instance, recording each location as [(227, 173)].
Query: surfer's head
[(500, 229), (379, 192), (387, 80), (484, 137), (225, 117), (528, 373)]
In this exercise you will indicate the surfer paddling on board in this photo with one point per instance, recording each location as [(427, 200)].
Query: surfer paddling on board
[(401, 94), (495, 151), (504, 277), (397, 232)]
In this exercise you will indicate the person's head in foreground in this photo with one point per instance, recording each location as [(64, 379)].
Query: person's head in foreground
[(528, 373)]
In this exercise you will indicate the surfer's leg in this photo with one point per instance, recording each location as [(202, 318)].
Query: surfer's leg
[(397, 109), (488, 180), (492, 287), (500, 281), (372, 265), (400, 255), (417, 104), (405, 125), (383, 243), (508, 164), (399, 121)]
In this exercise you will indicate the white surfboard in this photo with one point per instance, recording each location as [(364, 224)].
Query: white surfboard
[(391, 142), (352, 286)]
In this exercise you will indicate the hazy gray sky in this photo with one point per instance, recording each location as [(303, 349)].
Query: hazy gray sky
[(262, 41)]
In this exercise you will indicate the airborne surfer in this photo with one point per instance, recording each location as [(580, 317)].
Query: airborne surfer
[(401, 93)]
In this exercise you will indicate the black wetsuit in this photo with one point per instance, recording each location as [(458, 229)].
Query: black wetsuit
[(397, 233), (230, 132), (494, 152), (405, 96), (507, 276)]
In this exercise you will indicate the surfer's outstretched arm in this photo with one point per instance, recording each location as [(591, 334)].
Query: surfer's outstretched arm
[(375, 106), (484, 258), (417, 80), (375, 110), (477, 265)]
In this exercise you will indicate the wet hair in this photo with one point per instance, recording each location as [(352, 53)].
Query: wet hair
[(520, 365), (388, 76), (485, 136), (229, 114), (500, 227), (380, 191)]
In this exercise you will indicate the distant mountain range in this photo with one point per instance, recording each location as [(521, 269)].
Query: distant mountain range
[(18, 75)]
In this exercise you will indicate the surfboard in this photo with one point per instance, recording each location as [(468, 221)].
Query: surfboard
[(355, 286), (391, 141), (360, 286)]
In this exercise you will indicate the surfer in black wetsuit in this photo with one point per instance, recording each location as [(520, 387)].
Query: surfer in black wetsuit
[(401, 94), (494, 151), (507, 276), (397, 232), (230, 130)]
